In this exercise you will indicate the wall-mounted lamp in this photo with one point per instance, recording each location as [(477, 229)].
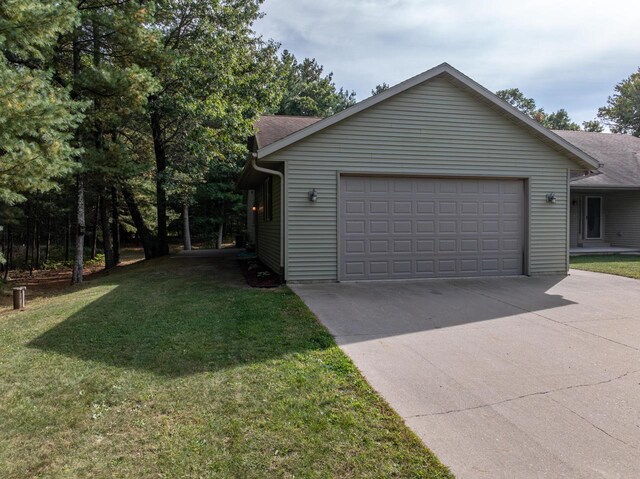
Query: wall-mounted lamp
[(313, 195), (254, 208), (551, 197)]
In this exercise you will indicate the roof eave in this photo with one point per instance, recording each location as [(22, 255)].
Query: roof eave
[(247, 179), (603, 187)]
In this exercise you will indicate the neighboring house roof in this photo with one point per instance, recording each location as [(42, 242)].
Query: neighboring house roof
[(619, 154), (444, 69), (271, 128)]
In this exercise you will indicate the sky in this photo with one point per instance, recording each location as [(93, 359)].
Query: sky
[(563, 53)]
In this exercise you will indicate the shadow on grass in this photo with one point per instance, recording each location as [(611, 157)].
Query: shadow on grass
[(174, 318), (52, 283)]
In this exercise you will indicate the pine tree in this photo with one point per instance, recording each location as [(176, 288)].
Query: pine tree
[(99, 60), (37, 115), (307, 91)]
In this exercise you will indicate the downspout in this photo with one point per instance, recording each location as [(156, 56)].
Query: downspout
[(281, 176)]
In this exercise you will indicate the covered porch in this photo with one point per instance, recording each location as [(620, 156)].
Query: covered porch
[(604, 221)]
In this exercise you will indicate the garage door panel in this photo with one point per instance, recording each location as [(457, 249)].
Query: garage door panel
[(448, 226), (378, 185), (402, 185), (430, 227), (378, 207), (354, 227), (403, 207), (379, 268), (400, 227), (447, 207), (469, 208), (355, 246), (379, 246), (354, 268)]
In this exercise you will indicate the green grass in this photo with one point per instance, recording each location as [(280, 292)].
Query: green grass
[(621, 265), (165, 369)]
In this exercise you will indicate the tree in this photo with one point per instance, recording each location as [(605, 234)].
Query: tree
[(622, 112), (593, 125), (37, 116), (555, 121), (380, 88), (516, 98), (216, 75), (560, 121), (98, 61), (307, 92)]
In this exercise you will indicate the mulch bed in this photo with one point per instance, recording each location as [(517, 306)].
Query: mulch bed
[(257, 274)]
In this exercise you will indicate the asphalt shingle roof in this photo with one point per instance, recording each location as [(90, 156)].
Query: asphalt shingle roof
[(271, 128), (619, 155)]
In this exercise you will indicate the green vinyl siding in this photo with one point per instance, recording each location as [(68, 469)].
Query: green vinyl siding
[(435, 128), (622, 218), (268, 232)]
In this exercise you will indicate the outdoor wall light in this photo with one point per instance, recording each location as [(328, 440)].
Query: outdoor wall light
[(254, 208), (551, 197), (313, 195)]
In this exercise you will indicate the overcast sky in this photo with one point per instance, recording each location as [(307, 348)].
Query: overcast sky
[(563, 53)]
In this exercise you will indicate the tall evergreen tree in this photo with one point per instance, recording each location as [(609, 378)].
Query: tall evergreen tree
[(593, 126), (37, 116), (558, 120), (99, 61), (307, 91), (380, 88)]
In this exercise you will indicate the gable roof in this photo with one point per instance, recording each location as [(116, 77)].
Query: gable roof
[(620, 155), (555, 141), (271, 128)]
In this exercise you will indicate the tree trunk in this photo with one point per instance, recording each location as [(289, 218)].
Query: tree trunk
[(36, 245), (219, 238), (138, 221), (78, 264), (67, 239), (106, 234), (94, 231), (47, 247), (187, 232), (115, 226), (27, 241), (4, 249), (9, 257), (162, 241)]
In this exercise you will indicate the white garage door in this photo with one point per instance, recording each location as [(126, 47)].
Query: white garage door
[(398, 228)]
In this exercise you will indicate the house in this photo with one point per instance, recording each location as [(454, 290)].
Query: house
[(605, 204), (435, 177)]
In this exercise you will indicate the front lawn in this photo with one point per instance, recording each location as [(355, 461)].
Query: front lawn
[(173, 368), (621, 265)]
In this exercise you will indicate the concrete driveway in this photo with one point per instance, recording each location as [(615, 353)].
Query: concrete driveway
[(502, 378)]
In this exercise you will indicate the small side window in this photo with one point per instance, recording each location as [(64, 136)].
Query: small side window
[(268, 199)]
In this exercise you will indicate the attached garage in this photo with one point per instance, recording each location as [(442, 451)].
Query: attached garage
[(435, 177), (399, 227)]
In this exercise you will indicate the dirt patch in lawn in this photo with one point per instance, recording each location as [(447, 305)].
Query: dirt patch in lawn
[(50, 282)]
